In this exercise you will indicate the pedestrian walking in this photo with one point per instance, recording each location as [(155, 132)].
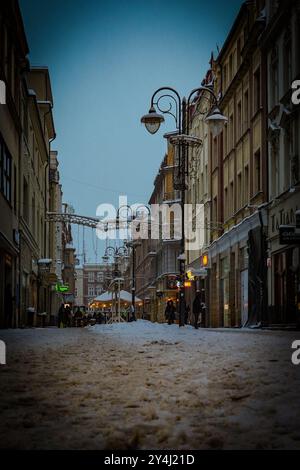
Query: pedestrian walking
[(203, 314), (197, 308), (132, 311), (61, 316), (68, 316), (78, 317), (186, 314), (170, 312)]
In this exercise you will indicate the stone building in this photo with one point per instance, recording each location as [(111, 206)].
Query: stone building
[(93, 281), (199, 193), (157, 259), (79, 286), (30, 248), (55, 234), (239, 176), (38, 132), (281, 48), (13, 66)]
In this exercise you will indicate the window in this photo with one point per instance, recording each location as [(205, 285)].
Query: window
[(230, 67), (274, 84), (224, 78), (239, 120), (215, 153), (239, 191), (33, 214), (257, 171), (246, 185), (231, 131), (6, 174), (231, 198), (37, 227), (238, 52), (215, 209), (257, 94), (287, 57), (15, 188), (91, 291), (91, 277), (25, 201), (246, 110), (274, 183), (25, 119), (226, 203), (288, 154), (42, 240), (225, 144), (98, 290), (5, 171)]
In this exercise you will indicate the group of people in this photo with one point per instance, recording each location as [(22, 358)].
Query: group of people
[(67, 318), (198, 312)]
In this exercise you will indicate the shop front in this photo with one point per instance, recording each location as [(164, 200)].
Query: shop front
[(284, 275), (236, 275)]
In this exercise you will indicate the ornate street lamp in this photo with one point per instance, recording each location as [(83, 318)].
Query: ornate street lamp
[(117, 253), (152, 120), (179, 109), (216, 121)]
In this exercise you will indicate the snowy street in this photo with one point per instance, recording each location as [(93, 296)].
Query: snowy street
[(149, 386)]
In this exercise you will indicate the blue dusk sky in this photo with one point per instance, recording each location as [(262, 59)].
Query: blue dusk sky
[(106, 58)]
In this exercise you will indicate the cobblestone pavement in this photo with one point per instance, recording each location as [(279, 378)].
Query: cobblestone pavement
[(148, 386)]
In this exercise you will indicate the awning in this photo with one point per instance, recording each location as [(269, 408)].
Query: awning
[(125, 297)]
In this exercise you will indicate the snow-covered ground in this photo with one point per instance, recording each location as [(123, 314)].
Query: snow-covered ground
[(144, 385)]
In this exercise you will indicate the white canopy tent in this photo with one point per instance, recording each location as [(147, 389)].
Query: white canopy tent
[(125, 297)]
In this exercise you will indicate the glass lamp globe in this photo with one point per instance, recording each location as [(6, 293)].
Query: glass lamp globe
[(152, 120), (216, 122)]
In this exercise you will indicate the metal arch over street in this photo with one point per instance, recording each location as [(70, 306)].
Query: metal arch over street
[(91, 222)]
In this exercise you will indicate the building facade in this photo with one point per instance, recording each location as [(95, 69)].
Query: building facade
[(157, 259), (93, 281), (239, 177), (198, 196), (31, 254), (13, 66), (79, 287), (281, 48)]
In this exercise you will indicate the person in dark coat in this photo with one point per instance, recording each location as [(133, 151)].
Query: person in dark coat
[(170, 312), (61, 316), (197, 308), (78, 317), (186, 314), (68, 316)]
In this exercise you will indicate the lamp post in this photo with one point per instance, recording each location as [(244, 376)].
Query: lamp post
[(133, 244), (117, 253), (179, 109)]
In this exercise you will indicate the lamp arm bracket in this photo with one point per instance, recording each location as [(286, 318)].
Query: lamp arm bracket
[(176, 99)]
